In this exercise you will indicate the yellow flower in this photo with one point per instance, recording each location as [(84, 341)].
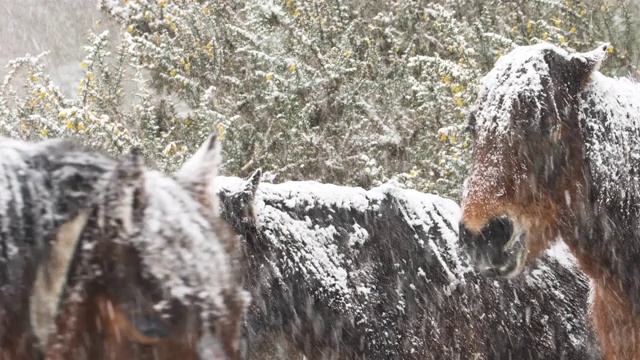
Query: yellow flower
[(446, 80), (573, 29), (515, 28), (545, 36), (443, 137), (529, 27), (498, 54), (453, 139), (583, 12), (70, 125), (412, 173), (187, 66), (292, 67), (174, 27), (23, 127), (130, 29), (368, 42), (80, 127), (457, 88), (220, 131), (557, 22), (34, 78), (45, 132), (465, 145), (347, 53), (289, 3), (162, 3), (610, 49), (459, 102), (269, 77), (89, 75), (83, 64), (296, 12), (563, 40), (172, 73), (603, 8), (205, 10)]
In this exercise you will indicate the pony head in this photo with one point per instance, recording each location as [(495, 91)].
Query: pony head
[(528, 170), (152, 276)]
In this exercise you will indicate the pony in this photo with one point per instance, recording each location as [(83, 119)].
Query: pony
[(556, 157), (106, 259), (343, 273)]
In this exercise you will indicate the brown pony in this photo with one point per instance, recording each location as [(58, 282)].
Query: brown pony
[(103, 258), (556, 156)]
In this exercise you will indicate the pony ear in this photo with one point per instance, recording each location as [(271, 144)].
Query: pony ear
[(126, 198), (198, 173), (584, 64), (51, 277), (253, 181)]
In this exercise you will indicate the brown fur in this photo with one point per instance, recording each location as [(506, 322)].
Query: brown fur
[(545, 186)]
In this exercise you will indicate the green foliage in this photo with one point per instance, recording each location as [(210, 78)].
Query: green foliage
[(348, 91)]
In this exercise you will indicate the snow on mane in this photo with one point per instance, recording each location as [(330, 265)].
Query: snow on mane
[(516, 73), (182, 256), (610, 117)]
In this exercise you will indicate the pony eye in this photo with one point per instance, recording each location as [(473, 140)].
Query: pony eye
[(150, 326)]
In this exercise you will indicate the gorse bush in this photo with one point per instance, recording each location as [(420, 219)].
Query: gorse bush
[(347, 91)]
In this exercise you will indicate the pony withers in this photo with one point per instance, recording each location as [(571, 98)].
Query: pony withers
[(556, 156), (105, 259)]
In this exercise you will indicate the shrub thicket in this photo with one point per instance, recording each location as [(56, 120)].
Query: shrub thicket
[(344, 91)]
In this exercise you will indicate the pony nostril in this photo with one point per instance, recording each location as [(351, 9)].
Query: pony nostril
[(498, 232)]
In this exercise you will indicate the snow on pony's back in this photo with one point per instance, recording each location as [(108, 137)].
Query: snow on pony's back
[(338, 272)]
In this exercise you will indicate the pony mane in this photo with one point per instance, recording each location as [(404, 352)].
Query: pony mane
[(518, 74), (183, 257), (610, 121)]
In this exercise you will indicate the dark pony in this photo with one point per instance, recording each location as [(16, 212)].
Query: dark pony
[(556, 156), (343, 273)]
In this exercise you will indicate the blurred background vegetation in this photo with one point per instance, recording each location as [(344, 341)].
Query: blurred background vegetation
[(349, 92)]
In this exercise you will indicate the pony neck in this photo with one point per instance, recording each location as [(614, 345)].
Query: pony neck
[(608, 229)]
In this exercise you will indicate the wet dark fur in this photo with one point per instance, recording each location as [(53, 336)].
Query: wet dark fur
[(540, 316)]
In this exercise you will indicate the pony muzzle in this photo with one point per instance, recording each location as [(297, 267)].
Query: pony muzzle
[(499, 249)]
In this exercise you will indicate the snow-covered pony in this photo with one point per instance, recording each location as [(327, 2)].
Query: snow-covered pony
[(344, 273), (105, 259), (557, 156)]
